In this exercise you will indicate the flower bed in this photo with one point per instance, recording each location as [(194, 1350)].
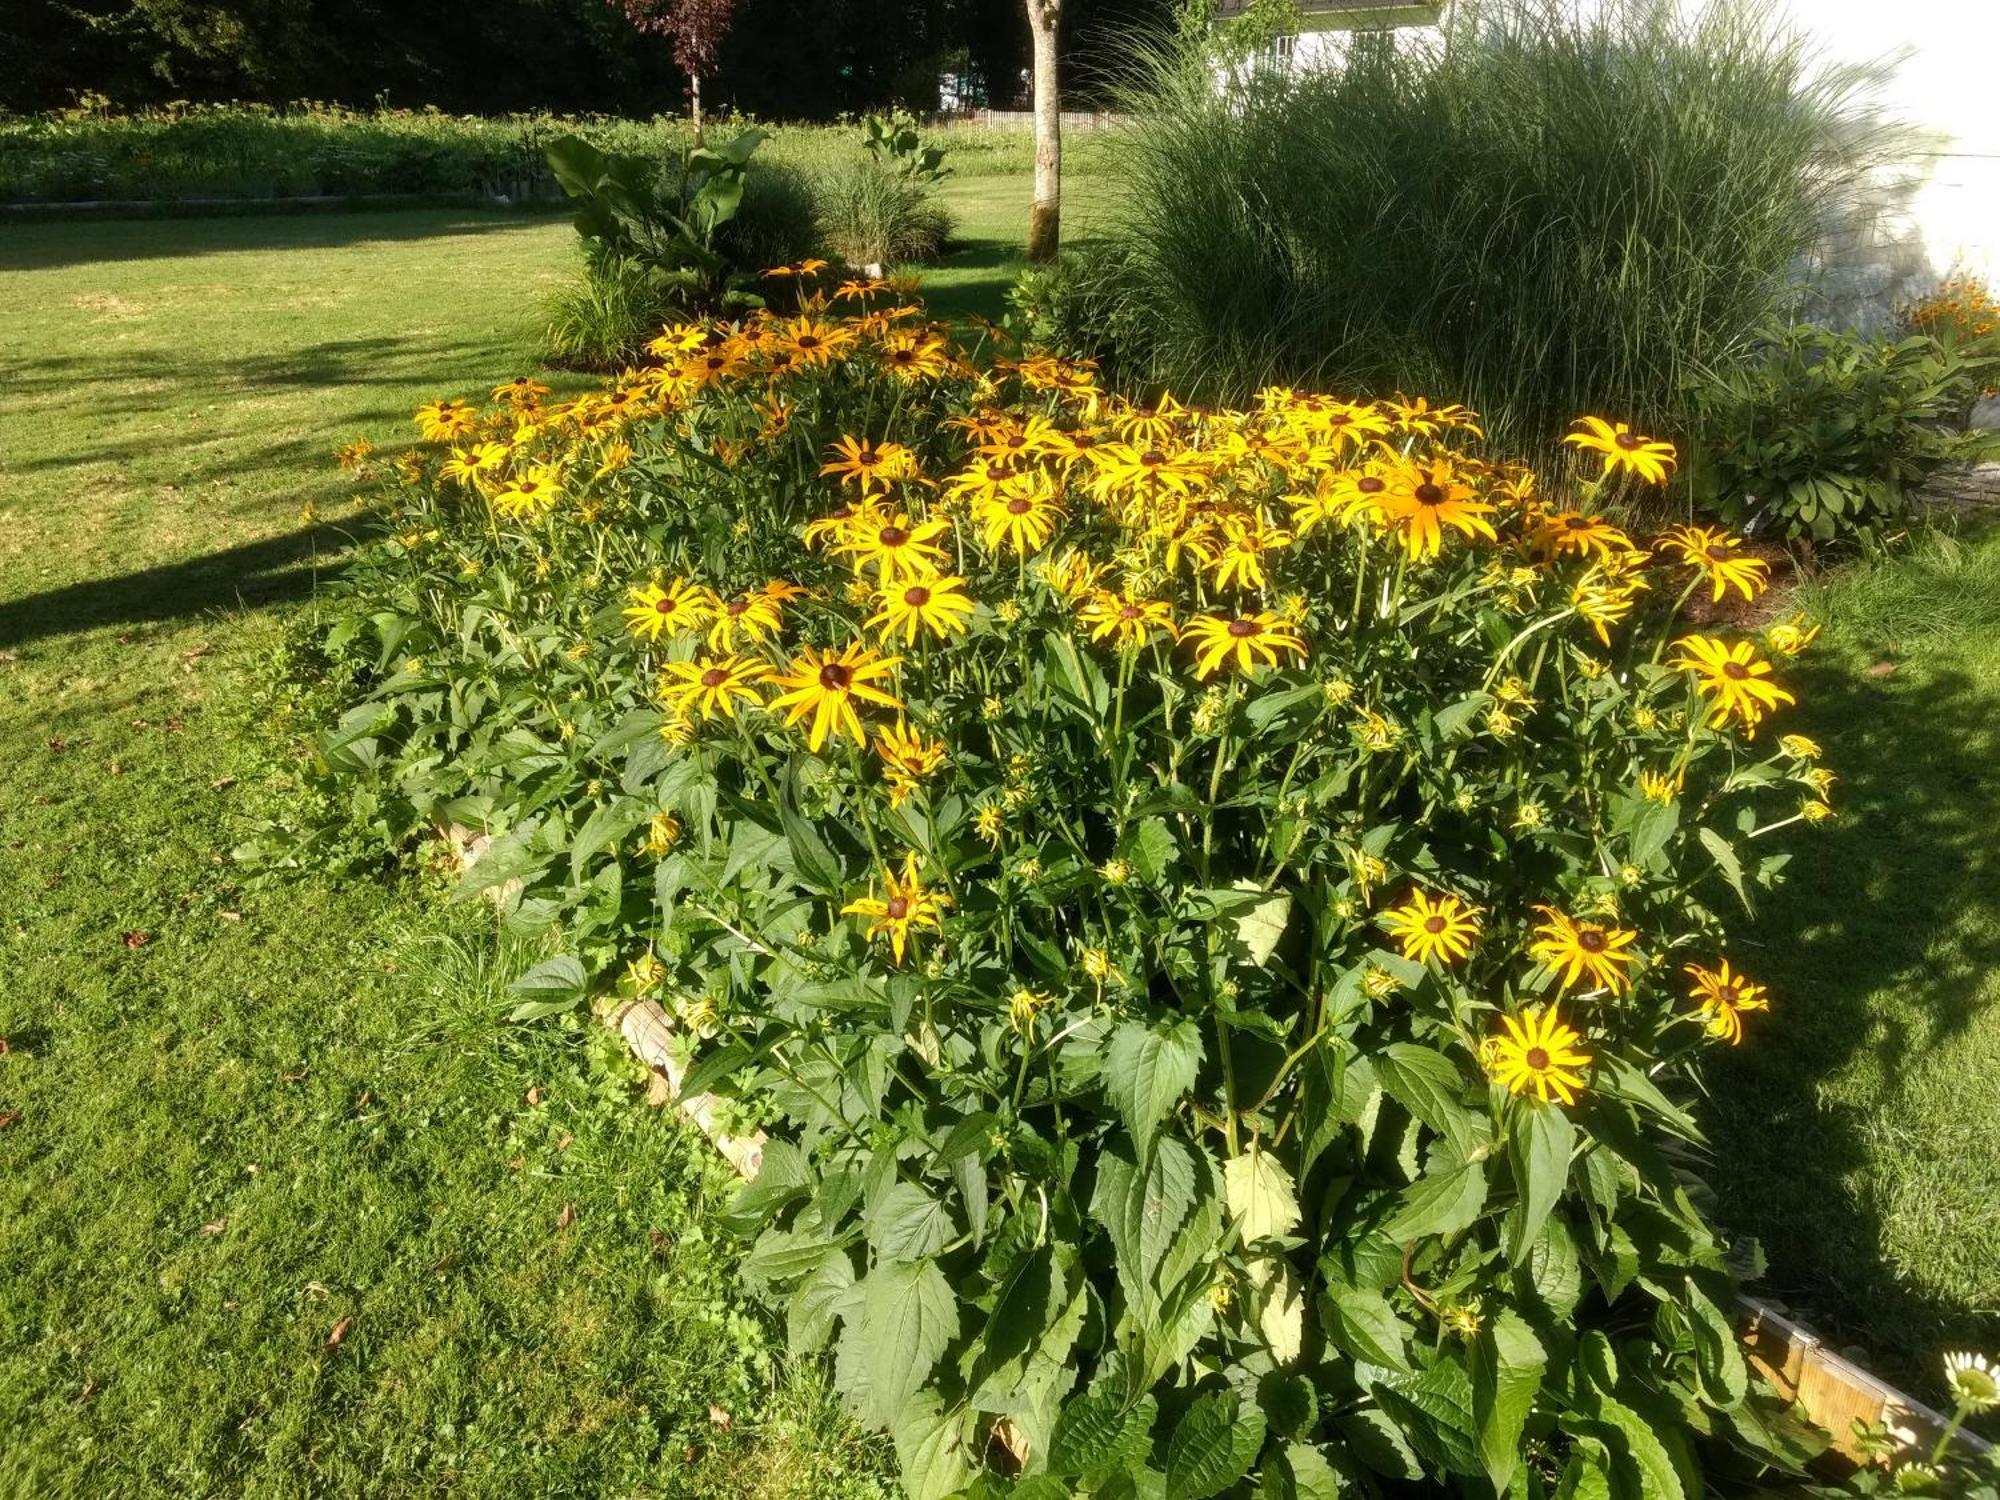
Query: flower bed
[(1216, 910)]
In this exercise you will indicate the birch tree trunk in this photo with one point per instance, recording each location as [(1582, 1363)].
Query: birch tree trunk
[(1045, 217), (694, 107)]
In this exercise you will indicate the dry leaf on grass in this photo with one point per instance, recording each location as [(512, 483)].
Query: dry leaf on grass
[(339, 1332), (567, 1217)]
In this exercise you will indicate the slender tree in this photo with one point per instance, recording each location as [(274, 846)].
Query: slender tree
[(697, 29), (1045, 217)]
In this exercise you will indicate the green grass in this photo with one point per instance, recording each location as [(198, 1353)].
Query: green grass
[(241, 1118), (1859, 1130)]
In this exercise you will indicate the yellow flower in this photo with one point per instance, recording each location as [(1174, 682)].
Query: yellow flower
[(827, 684), (1115, 871), (1071, 573), (916, 355), (1538, 1052), (1023, 1006), (938, 605), (745, 619), (644, 972), (895, 546), (1241, 560), (1724, 997), (522, 390), (1422, 499), (531, 494), (1624, 449), (989, 822), (445, 421), (1798, 747), (1126, 618), (674, 610), (1021, 520), (469, 465), (907, 758), (1816, 812), (903, 909), (873, 467), (663, 831), (1244, 641), (710, 686), (1586, 536), (1426, 927), (1577, 951), (1660, 786), (1733, 680), (1790, 637), (1604, 599), (1707, 550)]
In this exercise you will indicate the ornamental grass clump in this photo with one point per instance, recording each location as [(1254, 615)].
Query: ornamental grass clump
[(1216, 910)]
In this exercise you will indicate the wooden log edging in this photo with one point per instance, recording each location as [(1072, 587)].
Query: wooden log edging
[(1833, 1391)]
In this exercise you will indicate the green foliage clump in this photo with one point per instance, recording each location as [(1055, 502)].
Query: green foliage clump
[(1544, 209), (873, 213), (1198, 898), (1827, 434)]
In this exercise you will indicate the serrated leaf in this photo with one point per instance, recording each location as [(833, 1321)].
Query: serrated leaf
[(1540, 1140), (1362, 1323), (1300, 1473), (1441, 1202), (1726, 861), (1213, 1446), (906, 1319), (1098, 1432), (816, 1302), (907, 1223), (1429, 1085), (1507, 1362), (1143, 1210), (1147, 1070), (1658, 1479), (1262, 1197), (930, 1450), (1261, 927)]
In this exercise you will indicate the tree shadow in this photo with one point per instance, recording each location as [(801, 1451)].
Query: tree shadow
[(49, 244), (270, 571), (1873, 905)]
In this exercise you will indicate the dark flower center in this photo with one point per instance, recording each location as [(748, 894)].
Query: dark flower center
[(716, 362), (663, 606), (1627, 440), (904, 356), (917, 597), (897, 908), (1435, 925), (1538, 1059), (1129, 612), (1242, 628), (1019, 507), (1152, 458), (867, 458), (736, 607), (714, 677), (1735, 671), (892, 536), (1729, 995), (1429, 494), (1578, 523), (809, 341), (834, 677), (1083, 440), (1370, 486), (1590, 940)]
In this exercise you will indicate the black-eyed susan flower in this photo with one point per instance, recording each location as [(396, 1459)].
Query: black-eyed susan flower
[(479, 461), (811, 342), (1625, 449), (663, 831), (894, 545), (1426, 927), (1071, 573), (1020, 520), (711, 686), (916, 355), (1245, 642), (1790, 637), (1732, 679), (908, 757), (1421, 500), (1661, 786), (871, 467), (1580, 535), (1723, 996), (1536, 1051), (1800, 747), (1127, 618), (939, 605), (825, 685), (744, 619), (677, 609), (1604, 598), (522, 390), (1710, 551), (446, 421), (1583, 951), (1239, 562), (529, 495), (1415, 415), (904, 909)]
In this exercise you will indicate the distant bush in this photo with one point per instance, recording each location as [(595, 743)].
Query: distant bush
[(872, 213), (1544, 211), (1828, 435)]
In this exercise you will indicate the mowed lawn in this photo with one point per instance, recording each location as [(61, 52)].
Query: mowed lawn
[(285, 1207)]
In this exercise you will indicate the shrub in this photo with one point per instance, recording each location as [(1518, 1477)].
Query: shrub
[(1551, 209), (602, 317), (873, 214), (1829, 434), (1203, 901)]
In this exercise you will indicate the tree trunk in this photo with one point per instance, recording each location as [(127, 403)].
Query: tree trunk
[(694, 106), (1045, 218)]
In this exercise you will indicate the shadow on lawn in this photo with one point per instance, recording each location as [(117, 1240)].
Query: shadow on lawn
[(265, 572), (29, 244), (1874, 903)]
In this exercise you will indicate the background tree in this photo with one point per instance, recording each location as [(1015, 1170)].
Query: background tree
[(1045, 217), (697, 29)]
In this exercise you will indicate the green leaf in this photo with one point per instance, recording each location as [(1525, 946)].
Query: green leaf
[(1441, 1202), (1507, 1362), (1147, 1070), (1143, 1210), (907, 1223), (1726, 861), (1261, 927), (1362, 1323), (1539, 1144), (551, 986), (930, 1450), (1097, 1432), (1151, 848), (1653, 825), (1455, 719), (906, 1319), (816, 1302), (1262, 1198), (1643, 1452), (1430, 1086), (1724, 1379), (1299, 1473), (814, 860), (1379, 1443), (1213, 1446), (715, 1065)]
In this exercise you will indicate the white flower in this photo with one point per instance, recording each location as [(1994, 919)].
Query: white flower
[(1975, 1384)]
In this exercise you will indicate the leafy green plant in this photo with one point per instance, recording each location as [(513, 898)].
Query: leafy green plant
[(893, 141), (872, 214), (628, 210), (1201, 901), (1550, 209), (601, 318), (1828, 434)]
